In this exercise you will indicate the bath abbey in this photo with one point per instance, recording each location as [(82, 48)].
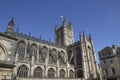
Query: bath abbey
[(24, 57)]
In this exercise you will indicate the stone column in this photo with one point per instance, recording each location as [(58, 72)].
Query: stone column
[(57, 67), (84, 65), (16, 57), (25, 52), (85, 62), (95, 72), (38, 53), (15, 68), (45, 68), (31, 66), (67, 69)]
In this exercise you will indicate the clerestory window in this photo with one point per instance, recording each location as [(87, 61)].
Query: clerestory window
[(21, 50)]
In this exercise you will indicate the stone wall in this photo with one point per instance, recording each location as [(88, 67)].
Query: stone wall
[(49, 79)]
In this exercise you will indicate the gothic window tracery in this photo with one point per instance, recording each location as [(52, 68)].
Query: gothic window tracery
[(22, 71), (51, 73), (33, 51), (43, 54), (70, 57), (78, 56), (21, 50), (61, 57), (53, 56), (62, 73), (38, 72)]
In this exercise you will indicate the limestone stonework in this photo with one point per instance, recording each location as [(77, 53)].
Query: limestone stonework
[(36, 59), (110, 62)]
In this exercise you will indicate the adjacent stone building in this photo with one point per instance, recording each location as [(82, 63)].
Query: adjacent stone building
[(110, 62), (35, 58), (6, 70)]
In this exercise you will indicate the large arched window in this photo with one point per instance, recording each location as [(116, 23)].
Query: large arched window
[(61, 57), (53, 56), (79, 74), (62, 73), (38, 72), (22, 71), (33, 51), (43, 54), (78, 56), (21, 50), (51, 73), (71, 74)]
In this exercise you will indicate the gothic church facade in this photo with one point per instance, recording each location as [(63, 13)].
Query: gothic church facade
[(39, 59)]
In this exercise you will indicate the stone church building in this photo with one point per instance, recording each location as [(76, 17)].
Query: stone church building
[(37, 59)]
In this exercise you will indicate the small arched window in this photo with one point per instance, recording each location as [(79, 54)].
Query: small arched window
[(22, 71), (71, 74), (62, 73), (38, 72), (113, 70), (21, 50), (78, 56), (51, 73), (79, 74)]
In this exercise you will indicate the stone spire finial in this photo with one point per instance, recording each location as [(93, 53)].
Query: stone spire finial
[(17, 30), (56, 27), (90, 38), (64, 22), (83, 35), (40, 37), (11, 24), (10, 28), (70, 23), (29, 34)]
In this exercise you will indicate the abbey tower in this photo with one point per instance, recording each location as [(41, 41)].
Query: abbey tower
[(64, 34)]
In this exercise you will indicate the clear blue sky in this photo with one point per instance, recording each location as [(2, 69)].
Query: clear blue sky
[(100, 18)]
